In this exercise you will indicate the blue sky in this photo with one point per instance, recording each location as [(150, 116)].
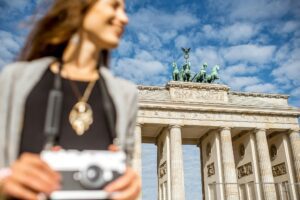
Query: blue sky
[(256, 43)]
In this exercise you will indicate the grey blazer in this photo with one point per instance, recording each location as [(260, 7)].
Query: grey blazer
[(18, 79)]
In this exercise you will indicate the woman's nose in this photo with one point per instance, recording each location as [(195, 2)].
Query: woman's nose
[(123, 17)]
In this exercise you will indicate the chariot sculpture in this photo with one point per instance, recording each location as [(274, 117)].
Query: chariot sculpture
[(185, 73)]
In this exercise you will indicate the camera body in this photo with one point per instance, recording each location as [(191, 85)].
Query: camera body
[(85, 173)]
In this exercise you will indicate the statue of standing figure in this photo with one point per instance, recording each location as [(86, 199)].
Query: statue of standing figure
[(175, 74), (186, 72), (186, 68)]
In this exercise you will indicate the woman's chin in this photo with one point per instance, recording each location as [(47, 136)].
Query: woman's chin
[(110, 43)]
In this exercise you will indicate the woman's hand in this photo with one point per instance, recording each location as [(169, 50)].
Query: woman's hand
[(29, 177), (127, 187)]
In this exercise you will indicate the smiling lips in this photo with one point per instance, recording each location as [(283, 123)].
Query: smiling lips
[(119, 30)]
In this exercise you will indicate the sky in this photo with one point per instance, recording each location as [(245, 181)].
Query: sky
[(255, 42)]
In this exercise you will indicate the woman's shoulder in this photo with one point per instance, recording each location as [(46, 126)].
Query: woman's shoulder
[(20, 67), (122, 85)]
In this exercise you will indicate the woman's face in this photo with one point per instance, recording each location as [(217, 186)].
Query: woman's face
[(105, 22)]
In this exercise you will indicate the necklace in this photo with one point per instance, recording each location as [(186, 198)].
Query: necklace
[(81, 115)]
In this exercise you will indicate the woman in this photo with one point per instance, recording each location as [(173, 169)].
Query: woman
[(71, 41)]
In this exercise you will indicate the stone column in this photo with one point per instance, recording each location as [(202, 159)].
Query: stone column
[(137, 161), (265, 166), (290, 167), (177, 177), (137, 155), (230, 177), (294, 136), (258, 186)]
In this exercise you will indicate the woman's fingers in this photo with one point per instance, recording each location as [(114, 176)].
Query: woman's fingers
[(33, 182), (127, 187), (122, 182), (35, 160), (129, 193), (14, 189), (30, 176), (113, 148), (42, 178)]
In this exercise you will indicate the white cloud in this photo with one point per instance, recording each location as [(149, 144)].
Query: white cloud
[(207, 54), (239, 32), (290, 26), (288, 71), (240, 69), (260, 9), (234, 33), (262, 88), (125, 48), (142, 69), (159, 21), (10, 45), (149, 40), (239, 82), (181, 41), (13, 4), (253, 10), (249, 53), (10, 8), (296, 92)]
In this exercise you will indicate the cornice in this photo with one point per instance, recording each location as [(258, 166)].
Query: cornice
[(192, 85), (253, 94), (227, 109), (143, 87)]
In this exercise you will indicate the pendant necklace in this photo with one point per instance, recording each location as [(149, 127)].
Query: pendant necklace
[(81, 115)]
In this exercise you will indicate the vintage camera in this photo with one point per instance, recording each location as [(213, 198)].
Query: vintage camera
[(85, 173)]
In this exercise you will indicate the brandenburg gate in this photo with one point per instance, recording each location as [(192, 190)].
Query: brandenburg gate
[(249, 142)]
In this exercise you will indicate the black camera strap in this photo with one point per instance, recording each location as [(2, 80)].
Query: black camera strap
[(53, 113)]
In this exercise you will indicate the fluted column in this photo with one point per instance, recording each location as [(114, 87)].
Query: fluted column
[(137, 155), (177, 176), (265, 165), (230, 177), (137, 161), (256, 173), (294, 136)]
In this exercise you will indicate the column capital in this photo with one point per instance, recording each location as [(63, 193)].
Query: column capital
[(225, 128), (174, 126), (139, 124), (292, 130), (259, 129)]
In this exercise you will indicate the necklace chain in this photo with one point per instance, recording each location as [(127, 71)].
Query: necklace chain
[(86, 95), (81, 115)]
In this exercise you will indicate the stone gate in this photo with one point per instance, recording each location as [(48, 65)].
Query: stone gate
[(249, 142)]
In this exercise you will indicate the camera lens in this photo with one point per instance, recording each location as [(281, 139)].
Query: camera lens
[(93, 173), (92, 177)]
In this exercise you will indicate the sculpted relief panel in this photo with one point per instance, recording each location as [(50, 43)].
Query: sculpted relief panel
[(211, 96), (157, 94)]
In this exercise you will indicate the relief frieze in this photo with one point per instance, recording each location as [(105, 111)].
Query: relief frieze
[(154, 94), (163, 169), (245, 170), (205, 116), (279, 170), (198, 95), (211, 169)]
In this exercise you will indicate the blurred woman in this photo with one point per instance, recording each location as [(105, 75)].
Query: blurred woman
[(72, 41)]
